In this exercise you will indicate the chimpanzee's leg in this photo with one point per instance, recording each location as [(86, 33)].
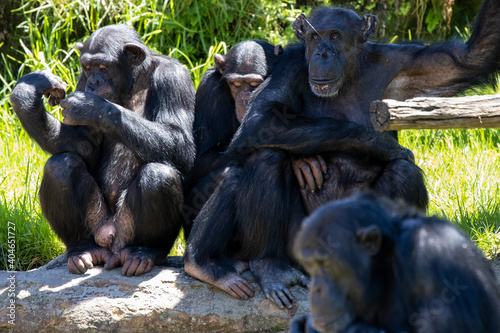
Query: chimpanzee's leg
[(269, 207), (148, 219), (74, 206), (404, 180), (206, 257)]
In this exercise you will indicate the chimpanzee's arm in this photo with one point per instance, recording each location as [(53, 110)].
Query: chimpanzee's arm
[(53, 136), (449, 68), (215, 119), (310, 136), (161, 132)]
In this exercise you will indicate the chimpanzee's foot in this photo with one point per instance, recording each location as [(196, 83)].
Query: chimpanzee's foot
[(85, 255), (136, 260), (230, 282), (275, 277)]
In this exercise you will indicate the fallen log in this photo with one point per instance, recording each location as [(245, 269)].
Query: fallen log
[(436, 113)]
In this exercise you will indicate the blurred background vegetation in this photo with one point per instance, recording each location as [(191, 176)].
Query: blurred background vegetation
[(462, 167)]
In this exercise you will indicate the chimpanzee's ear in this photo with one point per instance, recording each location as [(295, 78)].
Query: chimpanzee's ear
[(220, 62), (370, 239), (369, 26), (135, 53), (79, 47), (299, 27)]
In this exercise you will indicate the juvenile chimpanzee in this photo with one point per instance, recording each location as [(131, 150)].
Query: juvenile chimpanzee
[(221, 101), (377, 266), (321, 90), (113, 188)]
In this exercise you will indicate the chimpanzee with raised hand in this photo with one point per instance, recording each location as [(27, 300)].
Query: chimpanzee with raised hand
[(113, 188)]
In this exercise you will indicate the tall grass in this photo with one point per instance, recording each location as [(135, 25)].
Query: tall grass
[(462, 167)]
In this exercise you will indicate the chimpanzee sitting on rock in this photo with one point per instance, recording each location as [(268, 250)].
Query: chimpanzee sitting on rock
[(113, 188), (317, 102), (376, 266)]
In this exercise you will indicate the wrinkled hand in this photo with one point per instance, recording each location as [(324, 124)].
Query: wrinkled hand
[(310, 170), (81, 108), (48, 84)]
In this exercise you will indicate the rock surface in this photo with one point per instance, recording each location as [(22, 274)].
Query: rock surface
[(50, 299)]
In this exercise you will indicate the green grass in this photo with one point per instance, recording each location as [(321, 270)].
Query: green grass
[(462, 167), (463, 172)]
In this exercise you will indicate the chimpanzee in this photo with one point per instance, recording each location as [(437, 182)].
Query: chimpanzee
[(319, 91), (221, 101), (113, 188), (379, 266)]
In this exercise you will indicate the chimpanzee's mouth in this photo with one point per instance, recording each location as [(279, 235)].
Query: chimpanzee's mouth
[(325, 88), (321, 82)]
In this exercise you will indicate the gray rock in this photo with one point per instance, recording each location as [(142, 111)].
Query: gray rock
[(50, 299)]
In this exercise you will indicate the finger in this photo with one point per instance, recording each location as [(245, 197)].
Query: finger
[(149, 266), (298, 175), (72, 267), (289, 295), (235, 292), (130, 267), (316, 172), (64, 103), (246, 287), (141, 268), (78, 267), (86, 259), (112, 262), (311, 183), (322, 163), (277, 300), (284, 299)]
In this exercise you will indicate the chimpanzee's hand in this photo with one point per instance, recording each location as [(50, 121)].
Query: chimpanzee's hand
[(403, 154), (45, 83), (311, 169), (81, 108)]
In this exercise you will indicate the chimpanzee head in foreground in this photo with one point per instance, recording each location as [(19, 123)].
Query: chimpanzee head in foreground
[(375, 263), (245, 67), (333, 39), (111, 58)]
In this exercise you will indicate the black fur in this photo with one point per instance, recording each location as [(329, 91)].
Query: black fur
[(121, 157), (215, 120), (379, 266), (318, 88)]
